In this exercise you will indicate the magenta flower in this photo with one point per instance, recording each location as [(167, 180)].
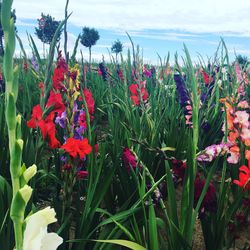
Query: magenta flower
[(129, 159)]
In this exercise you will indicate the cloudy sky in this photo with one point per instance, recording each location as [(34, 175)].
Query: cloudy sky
[(158, 26)]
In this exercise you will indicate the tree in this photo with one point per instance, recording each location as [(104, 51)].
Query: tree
[(47, 27), (116, 48), (88, 38), (242, 60), (13, 15)]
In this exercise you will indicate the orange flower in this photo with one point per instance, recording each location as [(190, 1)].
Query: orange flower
[(247, 154)]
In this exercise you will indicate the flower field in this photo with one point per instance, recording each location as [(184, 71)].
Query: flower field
[(120, 154)]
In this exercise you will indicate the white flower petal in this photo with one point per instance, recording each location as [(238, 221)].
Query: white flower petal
[(51, 241), (36, 236)]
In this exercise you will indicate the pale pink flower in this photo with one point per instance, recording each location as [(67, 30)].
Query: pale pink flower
[(243, 105), (238, 73), (241, 117)]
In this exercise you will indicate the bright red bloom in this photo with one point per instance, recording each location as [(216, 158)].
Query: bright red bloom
[(129, 159), (136, 91), (89, 100), (244, 177), (46, 125), (206, 78), (58, 78), (55, 99), (77, 147), (59, 73), (36, 116)]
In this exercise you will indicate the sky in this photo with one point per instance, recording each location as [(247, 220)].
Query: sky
[(157, 26)]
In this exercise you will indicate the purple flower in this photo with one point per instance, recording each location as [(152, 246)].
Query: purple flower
[(182, 91), (61, 119), (78, 133), (34, 63)]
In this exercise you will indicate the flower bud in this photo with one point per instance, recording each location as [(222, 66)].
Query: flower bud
[(29, 173)]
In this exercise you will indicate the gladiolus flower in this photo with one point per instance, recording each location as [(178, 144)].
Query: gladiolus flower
[(77, 147), (36, 235), (209, 202), (129, 159), (55, 99), (244, 177)]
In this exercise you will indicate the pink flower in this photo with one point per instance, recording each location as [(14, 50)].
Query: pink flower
[(238, 73), (213, 151), (129, 159), (243, 105), (241, 117)]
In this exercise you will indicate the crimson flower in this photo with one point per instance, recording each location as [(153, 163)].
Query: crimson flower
[(77, 147), (58, 78), (47, 125), (244, 177), (129, 159), (89, 100), (36, 116), (81, 174), (209, 202), (136, 91), (55, 99)]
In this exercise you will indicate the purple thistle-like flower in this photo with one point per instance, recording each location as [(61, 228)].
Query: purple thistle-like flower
[(61, 120)]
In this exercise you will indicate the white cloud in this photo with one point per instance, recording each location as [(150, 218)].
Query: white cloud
[(186, 15)]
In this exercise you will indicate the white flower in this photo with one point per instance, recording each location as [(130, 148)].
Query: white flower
[(36, 236)]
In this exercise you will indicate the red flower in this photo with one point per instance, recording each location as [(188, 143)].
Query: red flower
[(89, 100), (36, 116), (59, 72), (134, 89), (129, 159), (58, 78), (209, 202), (136, 92), (244, 177), (135, 99), (77, 147), (82, 174), (206, 77), (47, 125), (55, 99)]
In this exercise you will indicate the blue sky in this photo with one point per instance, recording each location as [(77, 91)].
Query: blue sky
[(158, 26)]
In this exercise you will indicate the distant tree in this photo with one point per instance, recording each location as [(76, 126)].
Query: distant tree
[(13, 15), (242, 60), (88, 38), (47, 27), (116, 48)]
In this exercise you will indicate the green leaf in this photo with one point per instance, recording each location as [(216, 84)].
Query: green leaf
[(125, 243)]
